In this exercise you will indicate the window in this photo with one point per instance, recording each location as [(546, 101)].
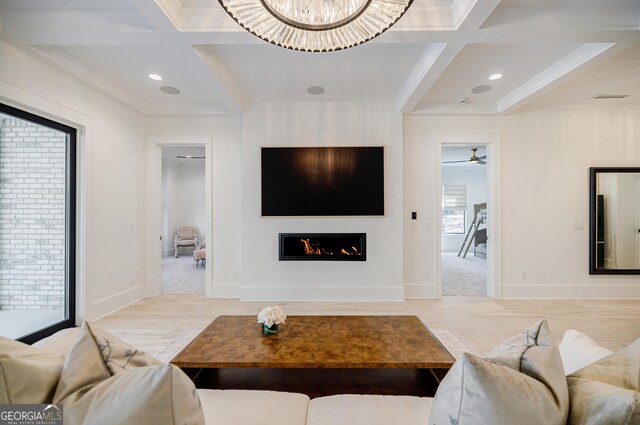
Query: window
[(37, 232), (454, 213)]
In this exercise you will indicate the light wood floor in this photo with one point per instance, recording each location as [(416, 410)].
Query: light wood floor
[(153, 322)]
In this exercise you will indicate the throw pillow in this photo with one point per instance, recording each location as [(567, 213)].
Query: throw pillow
[(151, 395), (105, 381), (27, 375), (578, 350), (60, 342), (117, 354), (522, 378), (607, 391), (83, 368)]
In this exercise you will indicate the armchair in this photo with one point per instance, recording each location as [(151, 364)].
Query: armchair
[(186, 236), (200, 254)]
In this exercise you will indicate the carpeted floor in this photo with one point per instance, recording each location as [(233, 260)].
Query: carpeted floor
[(463, 276), (180, 276)]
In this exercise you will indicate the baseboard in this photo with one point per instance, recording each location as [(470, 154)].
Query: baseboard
[(324, 293), (108, 305), (226, 290), (609, 291), (419, 290)]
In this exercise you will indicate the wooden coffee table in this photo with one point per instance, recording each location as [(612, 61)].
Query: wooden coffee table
[(318, 355)]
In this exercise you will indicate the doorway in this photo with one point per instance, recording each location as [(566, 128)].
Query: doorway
[(183, 221), (464, 220), (156, 238)]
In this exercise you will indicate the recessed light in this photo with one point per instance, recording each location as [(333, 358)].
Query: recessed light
[(315, 90), (155, 77), (496, 76), (481, 89), (170, 90)]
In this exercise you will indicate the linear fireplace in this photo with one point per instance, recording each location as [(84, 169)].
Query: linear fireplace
[(323, 247)]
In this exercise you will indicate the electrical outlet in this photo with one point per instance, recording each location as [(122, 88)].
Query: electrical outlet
[(132, 280), (236, 276), (523, 275), (426, 275)]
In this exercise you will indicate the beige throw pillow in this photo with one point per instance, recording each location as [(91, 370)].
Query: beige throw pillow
[(521, 381), (117, 354), (27, 375), (83, 368), (152, 395), (105, 381), (607, 392)]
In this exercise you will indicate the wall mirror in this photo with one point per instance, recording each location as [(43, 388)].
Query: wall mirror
[(614, 231)]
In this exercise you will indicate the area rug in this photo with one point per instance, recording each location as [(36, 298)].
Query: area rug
[(455, 343), (169, 351)]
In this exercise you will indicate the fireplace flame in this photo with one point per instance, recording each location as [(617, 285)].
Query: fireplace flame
[(311, 249), (355, 251)]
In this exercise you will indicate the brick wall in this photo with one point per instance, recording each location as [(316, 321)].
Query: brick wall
[(32, 216)]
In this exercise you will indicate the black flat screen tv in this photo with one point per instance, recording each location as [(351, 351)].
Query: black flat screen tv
[(323, 181)]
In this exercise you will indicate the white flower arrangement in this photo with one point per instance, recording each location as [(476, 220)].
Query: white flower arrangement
[(272, 315)]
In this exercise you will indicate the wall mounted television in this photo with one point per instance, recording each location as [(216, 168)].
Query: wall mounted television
[(323, 181)]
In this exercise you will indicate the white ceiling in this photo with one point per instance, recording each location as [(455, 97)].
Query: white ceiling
[(172, 153), (552, 54), (461, 153)]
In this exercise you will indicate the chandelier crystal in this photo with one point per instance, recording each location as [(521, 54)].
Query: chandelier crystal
[(316, 25)]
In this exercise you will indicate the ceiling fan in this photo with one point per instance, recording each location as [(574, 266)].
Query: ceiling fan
[(473, 160)]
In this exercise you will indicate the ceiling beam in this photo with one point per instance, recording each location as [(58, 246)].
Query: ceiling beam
[(433, 62), (577, 61), (158, 13), (65, 61), (473, 13), (233, 95)]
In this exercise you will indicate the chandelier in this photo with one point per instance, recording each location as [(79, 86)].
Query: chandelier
[(316, 25)]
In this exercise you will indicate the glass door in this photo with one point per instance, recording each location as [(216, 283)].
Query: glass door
[(37, 225)]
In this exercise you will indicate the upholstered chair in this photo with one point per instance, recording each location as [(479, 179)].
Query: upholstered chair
[(200, 254), (186, 236)]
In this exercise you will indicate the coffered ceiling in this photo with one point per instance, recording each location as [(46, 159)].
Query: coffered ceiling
[(552, 54)]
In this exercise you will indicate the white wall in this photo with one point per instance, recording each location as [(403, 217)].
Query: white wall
[(169, 200), (544, 163), (111, 266), (475, 178), (544, 187), (223, 251), (183, 199), (266, 278), (190, 207)]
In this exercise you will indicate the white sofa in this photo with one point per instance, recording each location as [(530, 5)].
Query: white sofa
[(247, 407)]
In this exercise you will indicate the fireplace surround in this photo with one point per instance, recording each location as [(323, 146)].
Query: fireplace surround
[(322, 247)]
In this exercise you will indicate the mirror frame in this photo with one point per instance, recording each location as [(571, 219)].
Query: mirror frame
[(593, 175)]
